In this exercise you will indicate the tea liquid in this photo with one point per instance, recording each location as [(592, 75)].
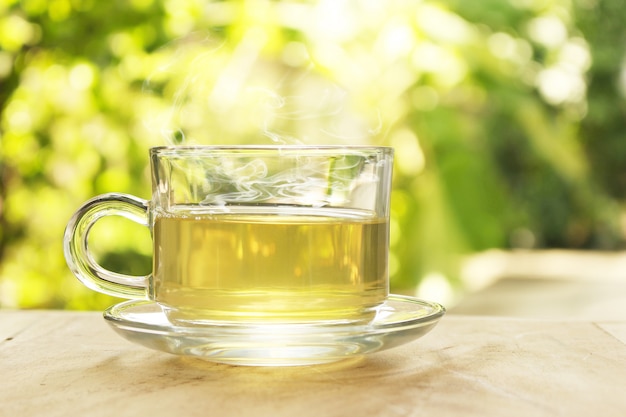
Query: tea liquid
[(271, 264)]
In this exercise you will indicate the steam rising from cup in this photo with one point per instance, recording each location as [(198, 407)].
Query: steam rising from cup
[(209, 92), (313, 182)]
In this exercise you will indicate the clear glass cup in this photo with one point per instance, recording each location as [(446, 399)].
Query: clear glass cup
[(254, 234)]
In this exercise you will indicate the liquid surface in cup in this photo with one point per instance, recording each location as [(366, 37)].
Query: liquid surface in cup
[(270, 264)]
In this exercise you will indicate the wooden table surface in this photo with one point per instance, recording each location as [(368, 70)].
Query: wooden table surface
[(55, 363)]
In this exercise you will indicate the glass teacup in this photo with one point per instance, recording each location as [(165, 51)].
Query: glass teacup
[(254, 234)]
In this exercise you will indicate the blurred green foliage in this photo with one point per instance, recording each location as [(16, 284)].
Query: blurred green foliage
[(507, 118)]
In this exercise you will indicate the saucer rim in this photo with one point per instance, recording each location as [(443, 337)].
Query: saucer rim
[(435, 311)]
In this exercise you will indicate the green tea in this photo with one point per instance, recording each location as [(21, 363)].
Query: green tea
[(270, 264)]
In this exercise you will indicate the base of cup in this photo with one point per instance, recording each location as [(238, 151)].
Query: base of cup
[(195, 317)]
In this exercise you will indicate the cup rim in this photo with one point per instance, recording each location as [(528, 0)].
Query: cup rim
[(160, 149), (192, 150)]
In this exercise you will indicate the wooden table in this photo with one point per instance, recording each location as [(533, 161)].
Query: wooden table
[(55, 363)]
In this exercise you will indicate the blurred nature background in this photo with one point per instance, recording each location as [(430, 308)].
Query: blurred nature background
[(508, 119)]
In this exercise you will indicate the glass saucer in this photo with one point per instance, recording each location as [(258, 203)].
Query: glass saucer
[(399, 320)]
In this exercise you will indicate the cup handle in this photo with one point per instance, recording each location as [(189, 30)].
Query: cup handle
[(79, 258)]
